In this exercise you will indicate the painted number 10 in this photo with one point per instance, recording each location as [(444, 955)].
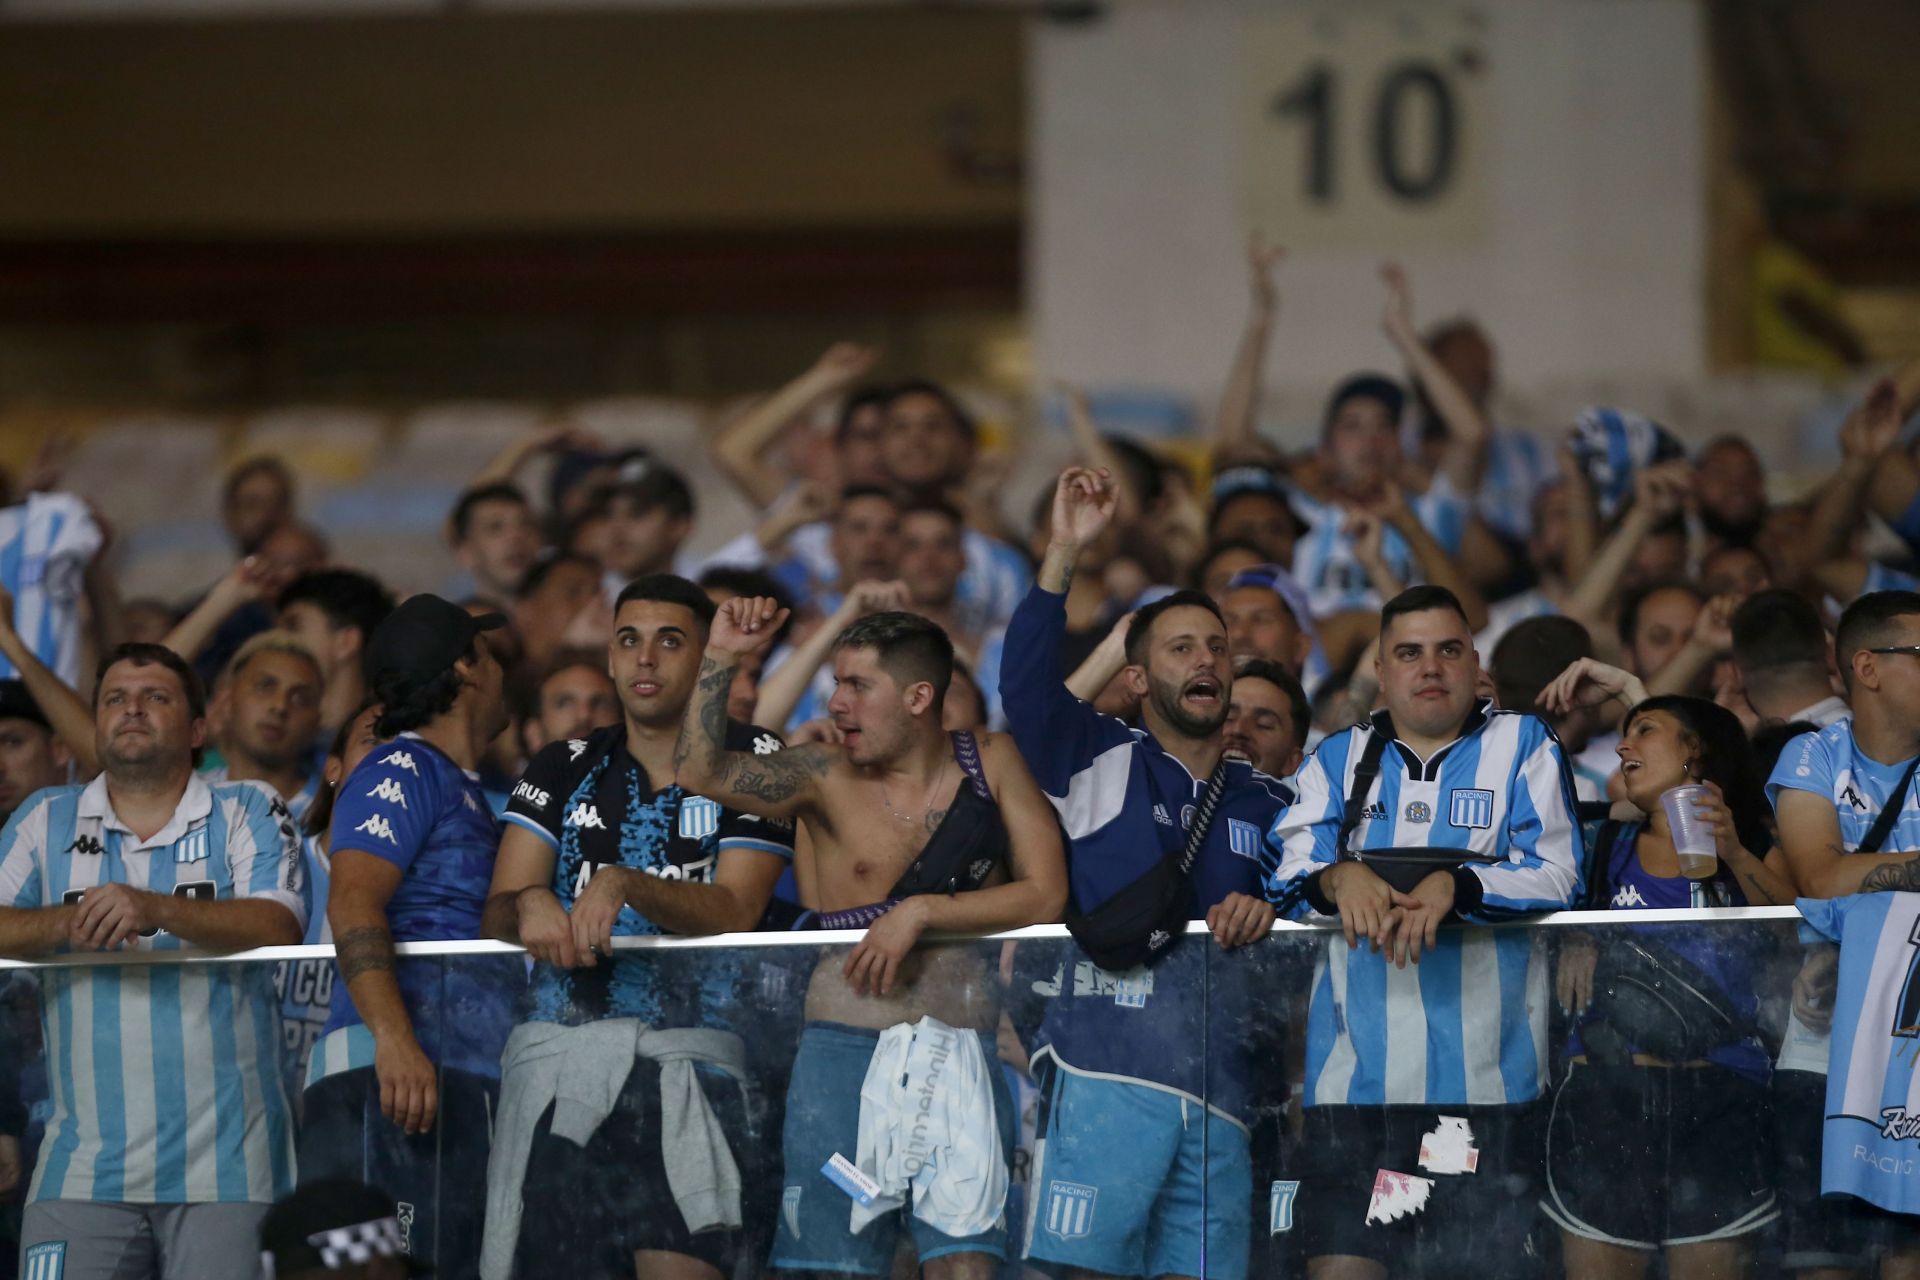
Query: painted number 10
[(1414, 168)]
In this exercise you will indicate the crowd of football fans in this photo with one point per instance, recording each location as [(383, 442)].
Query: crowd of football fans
[(1346, 618)]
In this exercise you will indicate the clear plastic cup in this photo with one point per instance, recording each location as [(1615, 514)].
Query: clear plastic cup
[(1693, 840)]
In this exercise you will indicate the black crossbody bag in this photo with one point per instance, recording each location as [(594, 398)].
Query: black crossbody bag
[(1403, 867), (1141, 923)]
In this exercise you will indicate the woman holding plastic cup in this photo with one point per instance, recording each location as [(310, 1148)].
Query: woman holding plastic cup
[(1658, 1136)]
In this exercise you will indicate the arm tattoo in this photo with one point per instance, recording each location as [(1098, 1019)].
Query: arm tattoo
[(363, 951), (1066, 580), (775, 778), (706, 723), (1894, 877)]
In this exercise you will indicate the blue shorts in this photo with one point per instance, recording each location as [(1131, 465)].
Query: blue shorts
[(1124, 1173), (823, 1117)]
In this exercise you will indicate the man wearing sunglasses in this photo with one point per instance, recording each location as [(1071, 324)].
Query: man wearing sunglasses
[(1832, 791)]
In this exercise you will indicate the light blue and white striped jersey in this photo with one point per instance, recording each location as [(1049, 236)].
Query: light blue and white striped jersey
[(45, 545), (1468, 1024), (1830, 764), (1871, 1140), (1518, 463), (298, 805), (165, 1079), (1325, 564)]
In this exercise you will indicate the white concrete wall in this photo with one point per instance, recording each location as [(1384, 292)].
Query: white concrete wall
[(1591, 253)]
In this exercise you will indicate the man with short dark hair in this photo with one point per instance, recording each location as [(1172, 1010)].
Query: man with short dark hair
[(1531, 656), (1268, 717), (602, 842), (1147, 1167), (31, 754), (1829, 791), (495, 538), (409, 1043), (912, 830), (134, 1178), (333, 612), (1785, 659), (1487, 798), (643, 523)]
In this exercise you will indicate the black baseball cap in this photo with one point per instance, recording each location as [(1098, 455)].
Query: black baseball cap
[(419, 640), (17, 704), (332, 1224)]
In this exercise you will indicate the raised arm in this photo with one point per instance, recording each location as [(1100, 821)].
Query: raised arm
[(774, 786), (739, 447), (1099, 668), (1711, 637), (782, 691), (503, 466), (1659, 493), (1868, 445), (249, 581), (1036, 893), (1094, 449), (65, 709), (1436, 566), (1467, 428), (1237, 434)]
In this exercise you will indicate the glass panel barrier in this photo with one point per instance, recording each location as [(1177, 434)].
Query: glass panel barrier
[(1568, 1097)]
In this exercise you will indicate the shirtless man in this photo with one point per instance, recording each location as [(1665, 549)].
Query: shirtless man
[(912, 829)]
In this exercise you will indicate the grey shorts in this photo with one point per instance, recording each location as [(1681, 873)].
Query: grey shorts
[(84, 1240)]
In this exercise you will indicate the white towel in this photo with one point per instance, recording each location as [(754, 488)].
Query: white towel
[(927, 1122)]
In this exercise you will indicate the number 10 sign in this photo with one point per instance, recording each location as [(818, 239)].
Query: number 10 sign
[(1365, 124)]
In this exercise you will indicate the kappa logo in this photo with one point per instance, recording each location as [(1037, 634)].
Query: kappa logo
[(89, 845), (390, 791), (378, 826), (699, 818), (1470, 808), (586, 816), (1629, 896), (404, 1213), (1418, 811), (977, 871), (1161, 816), (402, 760), (766, 744), (1158, 939), (1070, 1209), (576, 747)]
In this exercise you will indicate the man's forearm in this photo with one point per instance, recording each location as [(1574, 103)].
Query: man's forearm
[(782, 691), (234, 925), (1837, 510), (1590, 596), (365, 954), (500, 917), (30, 932), (687, 907), (700, 753), (1013, 905), (1682, 670), (1442, 570), (72, 718), (1056, 569)]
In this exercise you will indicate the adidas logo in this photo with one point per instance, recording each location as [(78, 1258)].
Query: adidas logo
[(390, 791), (585, 815), (765, 745), (401, 760), (1375, 811), (1161, 816), (378, 826)]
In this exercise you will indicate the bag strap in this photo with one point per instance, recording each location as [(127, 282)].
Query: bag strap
[(1364, 773), (966, 749), (1883, 825), (1203, 817)]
